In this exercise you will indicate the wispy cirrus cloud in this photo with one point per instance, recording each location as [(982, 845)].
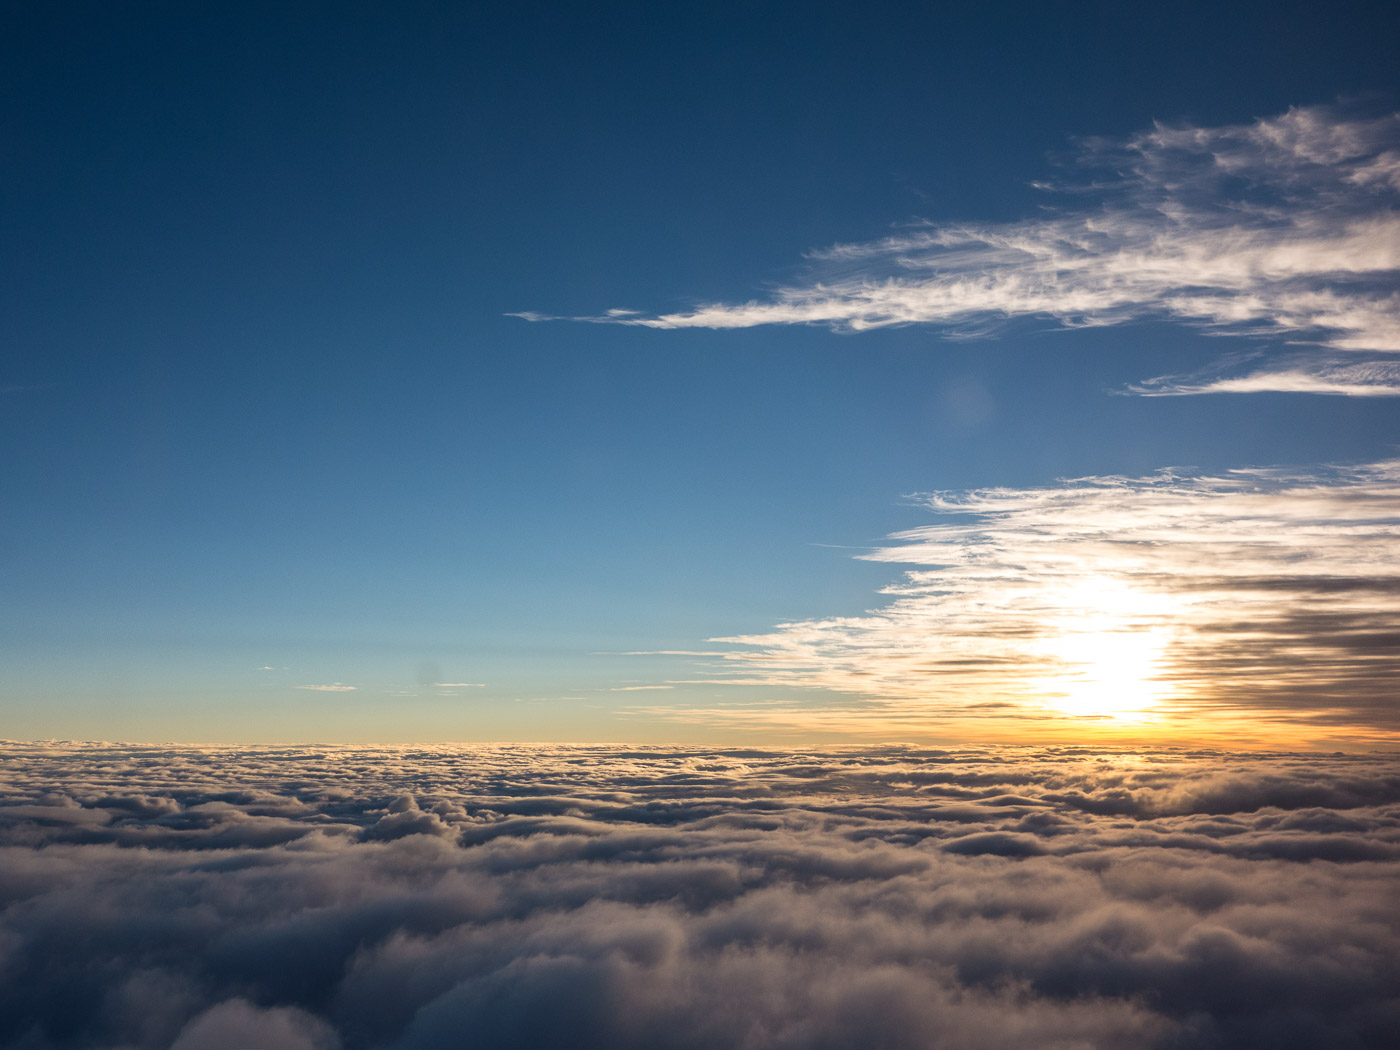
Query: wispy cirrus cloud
[(333, 687), (1257, 597), (1289, 374), (1285, 228)]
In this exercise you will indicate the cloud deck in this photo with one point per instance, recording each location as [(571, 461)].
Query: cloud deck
[(587, 896)]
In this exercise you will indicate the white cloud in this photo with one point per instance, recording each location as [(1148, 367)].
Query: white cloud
[(1178, 601), (334, 687), (1314, 375), (459, 685), (1283, 228), (681, 898)]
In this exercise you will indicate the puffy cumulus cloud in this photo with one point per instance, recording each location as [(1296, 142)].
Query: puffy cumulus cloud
[(1286, 228), (745, 898), (237, 1024), (1259, 601)]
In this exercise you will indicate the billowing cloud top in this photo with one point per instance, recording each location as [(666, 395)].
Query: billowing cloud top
[(676, 899), (1258, 601), (1286, 228)]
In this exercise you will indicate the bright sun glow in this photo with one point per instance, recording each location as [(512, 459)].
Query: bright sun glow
[(1107, 642)]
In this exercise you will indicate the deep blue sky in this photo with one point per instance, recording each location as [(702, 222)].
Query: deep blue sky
[(264, 405)]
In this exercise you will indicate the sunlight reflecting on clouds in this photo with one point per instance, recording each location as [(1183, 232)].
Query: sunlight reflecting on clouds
[(1191, 605)]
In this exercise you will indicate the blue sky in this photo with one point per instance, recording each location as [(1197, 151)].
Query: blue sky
[(265, 404)]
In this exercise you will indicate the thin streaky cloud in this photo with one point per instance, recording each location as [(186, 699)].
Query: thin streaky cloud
[(459, 685), (1171, 599), (664, 652), (1316, 375), (333, 687), (1286, 229), (719, 678)]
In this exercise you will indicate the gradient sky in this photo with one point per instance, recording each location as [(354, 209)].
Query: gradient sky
[(311, 430)]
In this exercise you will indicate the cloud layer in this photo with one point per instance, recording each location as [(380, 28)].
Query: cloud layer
[(1285, 228), (351, 898), (1262, 599)]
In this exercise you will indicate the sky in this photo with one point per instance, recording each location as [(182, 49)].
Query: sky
[(715, 372)]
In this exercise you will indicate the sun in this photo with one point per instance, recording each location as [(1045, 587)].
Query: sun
[(1105, 647)]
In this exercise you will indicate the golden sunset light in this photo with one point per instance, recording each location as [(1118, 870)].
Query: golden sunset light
[(1184, 607), (699, 525)]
